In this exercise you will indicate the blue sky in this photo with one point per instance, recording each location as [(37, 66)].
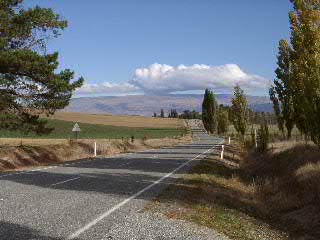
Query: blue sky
[(153, 46)]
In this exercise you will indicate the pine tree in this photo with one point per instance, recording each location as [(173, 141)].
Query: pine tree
[(29, 82), (281, 93), (239, 110), (209, 112)]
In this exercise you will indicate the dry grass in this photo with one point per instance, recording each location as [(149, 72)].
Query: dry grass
[(119, 120), (31, 142), (288, 184), (33, 152)]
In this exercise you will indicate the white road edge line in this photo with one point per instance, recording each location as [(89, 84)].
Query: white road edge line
[(69, 180), (116, 207)]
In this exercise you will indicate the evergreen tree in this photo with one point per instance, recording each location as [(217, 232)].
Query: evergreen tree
[(305, 66), (173, 113), (209, 111), (162, 113), (29, 82), (281, 93), (239, 110)]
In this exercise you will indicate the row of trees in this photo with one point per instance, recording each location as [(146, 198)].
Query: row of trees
[(186, 114), (216, 118), (296, 90)]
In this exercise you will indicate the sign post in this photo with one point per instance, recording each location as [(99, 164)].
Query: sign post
[(95, 149), (222, 151), (255, 139), (76, 129)]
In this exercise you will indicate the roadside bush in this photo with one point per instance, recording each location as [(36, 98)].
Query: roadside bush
[(263, 137)]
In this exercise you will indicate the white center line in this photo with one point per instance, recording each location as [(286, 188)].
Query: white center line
[(69, 180), (119, 205), (124, 164)]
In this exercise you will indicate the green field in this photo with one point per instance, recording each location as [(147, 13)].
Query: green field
[(62, 130)]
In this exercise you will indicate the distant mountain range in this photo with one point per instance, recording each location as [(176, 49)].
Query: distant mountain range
[(146, 105)]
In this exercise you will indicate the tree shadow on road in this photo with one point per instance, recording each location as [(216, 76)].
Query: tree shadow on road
[(12, 231)]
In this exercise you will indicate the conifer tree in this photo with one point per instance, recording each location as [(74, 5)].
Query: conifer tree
[(29, 81), (209, 112), (162, 113)]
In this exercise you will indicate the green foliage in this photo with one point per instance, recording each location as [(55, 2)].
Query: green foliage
[(305, 66), (29, 83), (209, 112), (162, 113), (281, 93), (173, 113), (187, 114), (263, 137), (223, 121), (239, 111)]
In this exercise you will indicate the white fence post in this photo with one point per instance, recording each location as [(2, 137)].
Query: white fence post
[(229, 140), (255, 138), (222, 150), (95, 148)]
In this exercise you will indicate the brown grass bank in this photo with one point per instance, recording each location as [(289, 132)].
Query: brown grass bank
[(287, 183), (40, 152)]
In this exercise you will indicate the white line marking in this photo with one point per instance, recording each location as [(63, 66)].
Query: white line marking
[(7, 175), (124, 164), (116, 207), (69, 180)]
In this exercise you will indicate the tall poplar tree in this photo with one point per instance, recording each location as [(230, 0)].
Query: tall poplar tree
[(239, 111), (29, 81), (209, 111), (281, 93), (305, 61), (223, 120)]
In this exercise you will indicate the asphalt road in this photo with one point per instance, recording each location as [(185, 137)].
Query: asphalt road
[(91, 199)]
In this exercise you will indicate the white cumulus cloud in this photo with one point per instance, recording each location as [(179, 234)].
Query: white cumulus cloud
[(107, 88), (162, 79)]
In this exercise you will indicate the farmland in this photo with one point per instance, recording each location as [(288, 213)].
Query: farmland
[(119, 120), (62, 130)]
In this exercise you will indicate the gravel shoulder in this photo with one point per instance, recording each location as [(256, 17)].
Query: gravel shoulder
[(149, 225)]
